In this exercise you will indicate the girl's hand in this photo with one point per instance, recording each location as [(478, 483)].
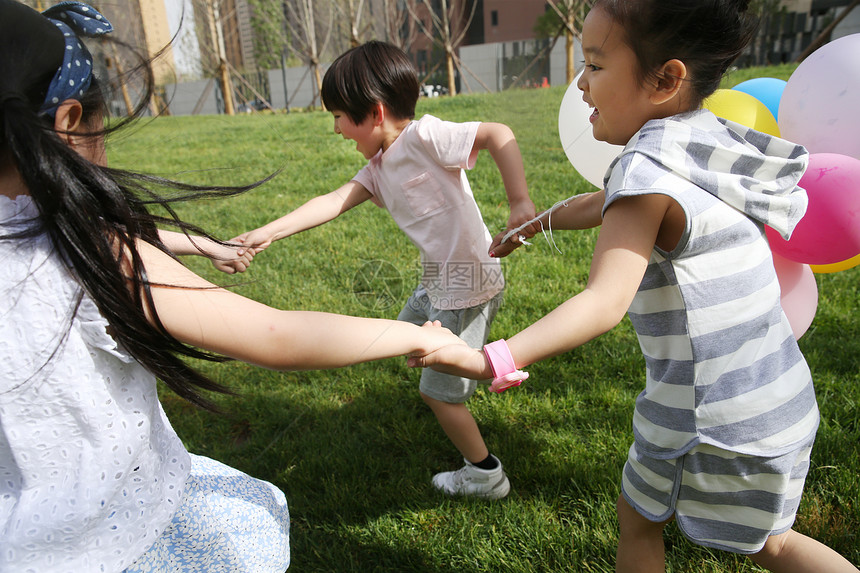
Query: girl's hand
[(247, 246), (229, 258), (498, 249), (457, 359), (435, 336)]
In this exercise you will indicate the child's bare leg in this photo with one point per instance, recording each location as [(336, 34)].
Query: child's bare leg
[(460, 427), (793, 552), (640, 544)]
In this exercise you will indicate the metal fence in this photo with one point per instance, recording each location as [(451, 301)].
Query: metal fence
[(484, 68)]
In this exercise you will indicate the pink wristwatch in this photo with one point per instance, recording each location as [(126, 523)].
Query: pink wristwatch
[(505, 373)]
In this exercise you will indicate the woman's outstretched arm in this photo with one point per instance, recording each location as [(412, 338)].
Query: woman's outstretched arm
[(204, 315)]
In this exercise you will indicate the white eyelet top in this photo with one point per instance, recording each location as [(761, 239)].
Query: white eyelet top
[(90, 470)]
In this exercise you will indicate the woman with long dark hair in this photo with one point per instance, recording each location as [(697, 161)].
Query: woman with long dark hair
[(94, 308)]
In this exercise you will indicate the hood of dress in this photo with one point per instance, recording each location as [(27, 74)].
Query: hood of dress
[(753, 172)]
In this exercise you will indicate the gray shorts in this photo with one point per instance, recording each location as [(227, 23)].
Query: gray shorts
[(720, 499), (471, 324)]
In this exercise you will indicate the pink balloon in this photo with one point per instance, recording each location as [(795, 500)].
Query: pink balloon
[(799, 296), (830, 230)]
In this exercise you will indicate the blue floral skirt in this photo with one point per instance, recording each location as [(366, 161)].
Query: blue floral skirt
[(228, 521)]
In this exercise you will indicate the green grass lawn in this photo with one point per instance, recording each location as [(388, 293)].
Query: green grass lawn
[(354, 449)]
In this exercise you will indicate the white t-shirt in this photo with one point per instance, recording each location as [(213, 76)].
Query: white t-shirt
[(90, 470), (421, 180)]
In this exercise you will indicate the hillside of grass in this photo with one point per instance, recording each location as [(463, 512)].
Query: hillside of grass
[(354, 449)]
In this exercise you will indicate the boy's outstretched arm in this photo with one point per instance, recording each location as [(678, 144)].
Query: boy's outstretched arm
[(315, 212), (499, 140), (580, 212)]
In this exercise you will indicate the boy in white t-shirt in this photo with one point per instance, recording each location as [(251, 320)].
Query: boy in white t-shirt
[(416, 170)]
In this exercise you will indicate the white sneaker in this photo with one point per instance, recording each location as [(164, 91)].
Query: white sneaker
[(473, 481)]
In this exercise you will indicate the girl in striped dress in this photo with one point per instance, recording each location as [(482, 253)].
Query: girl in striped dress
[(724, 427)]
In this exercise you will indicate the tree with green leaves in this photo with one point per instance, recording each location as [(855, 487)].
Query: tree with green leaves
[(271, 35)]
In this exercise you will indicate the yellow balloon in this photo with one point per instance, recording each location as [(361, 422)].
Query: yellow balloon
[(742, 108), (836, 267)]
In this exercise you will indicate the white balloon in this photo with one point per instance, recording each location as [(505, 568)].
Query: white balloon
[(590, 157), (819, 105)]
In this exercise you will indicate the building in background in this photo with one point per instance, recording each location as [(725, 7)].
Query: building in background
[(238, 34), (509, 20), (156, 36), (786, 33), (234, 19), (475, 22), (181, 16)]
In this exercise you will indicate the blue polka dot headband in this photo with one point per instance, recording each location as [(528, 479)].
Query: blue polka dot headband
[(74, 76)]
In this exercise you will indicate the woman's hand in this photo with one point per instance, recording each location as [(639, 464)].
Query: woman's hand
[(231, 258), (457, 359)]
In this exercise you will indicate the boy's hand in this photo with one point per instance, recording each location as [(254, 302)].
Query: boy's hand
[(522, 212), (257, 239), (498, 249)]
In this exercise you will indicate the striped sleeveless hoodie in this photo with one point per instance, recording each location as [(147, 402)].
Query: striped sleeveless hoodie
[(722, 365)]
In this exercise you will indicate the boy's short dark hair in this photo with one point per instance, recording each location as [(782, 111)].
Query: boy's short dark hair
[(372, 73)]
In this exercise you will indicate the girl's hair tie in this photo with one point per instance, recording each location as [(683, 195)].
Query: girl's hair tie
[(75, 74)]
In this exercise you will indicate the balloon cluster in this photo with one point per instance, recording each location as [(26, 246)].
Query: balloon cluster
[(818, 108)]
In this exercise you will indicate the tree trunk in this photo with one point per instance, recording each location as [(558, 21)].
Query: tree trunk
[(129, 106), (226, 88), (318, 80), (224, 73), (570, 69), (449, 62)]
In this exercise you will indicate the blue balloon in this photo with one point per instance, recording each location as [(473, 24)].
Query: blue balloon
[(766, 90)]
